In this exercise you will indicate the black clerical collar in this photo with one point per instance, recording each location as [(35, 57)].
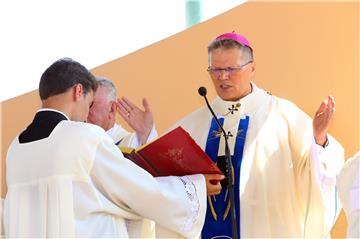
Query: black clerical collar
[(54, 110), (42, 125)]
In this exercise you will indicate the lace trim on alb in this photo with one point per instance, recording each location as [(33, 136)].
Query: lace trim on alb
[(193, 210)]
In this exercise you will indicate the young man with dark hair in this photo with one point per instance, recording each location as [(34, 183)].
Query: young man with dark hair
[(66, 178)]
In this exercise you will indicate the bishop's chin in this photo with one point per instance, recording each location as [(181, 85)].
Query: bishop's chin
[(226, 95)]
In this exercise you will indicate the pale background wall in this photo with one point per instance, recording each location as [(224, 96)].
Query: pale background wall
[(304, 51)]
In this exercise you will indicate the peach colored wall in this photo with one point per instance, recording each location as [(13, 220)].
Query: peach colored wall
[(303, 51)]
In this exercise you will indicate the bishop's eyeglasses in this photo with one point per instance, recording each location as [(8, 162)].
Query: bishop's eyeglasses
[(229, 70)]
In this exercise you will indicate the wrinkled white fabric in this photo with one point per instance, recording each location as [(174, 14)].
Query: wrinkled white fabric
[(348, 185), (76, 183), (287, 181)]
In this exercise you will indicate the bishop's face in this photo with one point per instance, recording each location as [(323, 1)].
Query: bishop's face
[(230, 73), (99, 113)]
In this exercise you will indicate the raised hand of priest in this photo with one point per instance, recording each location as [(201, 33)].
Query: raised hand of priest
[(322, 120), (213, 186), (140, 120)]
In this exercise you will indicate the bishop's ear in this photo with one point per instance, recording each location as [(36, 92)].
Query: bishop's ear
[(252, 69), (113, 109), (78, 91)]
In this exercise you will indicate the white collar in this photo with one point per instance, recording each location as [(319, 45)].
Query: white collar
[(246, 105)]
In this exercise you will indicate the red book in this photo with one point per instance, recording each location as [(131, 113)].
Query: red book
[(174, 153)]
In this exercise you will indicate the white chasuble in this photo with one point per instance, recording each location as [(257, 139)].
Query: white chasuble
[(287, 181), (76, 183)]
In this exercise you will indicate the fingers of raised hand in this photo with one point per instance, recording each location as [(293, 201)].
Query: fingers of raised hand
[(146, 104), (331, 103), (123, 104), (326, 109), (320, 109), (126, 101), (123, 112), (330, 107)]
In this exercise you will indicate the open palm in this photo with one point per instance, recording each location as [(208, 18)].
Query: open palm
[(139, 120), (322, 119)]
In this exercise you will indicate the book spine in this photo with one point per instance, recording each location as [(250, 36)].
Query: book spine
[(148, 162)]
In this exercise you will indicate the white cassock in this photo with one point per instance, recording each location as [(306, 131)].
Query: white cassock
[(121, 137), (124, 138), (348, 186), (76, 183), (287, 181)]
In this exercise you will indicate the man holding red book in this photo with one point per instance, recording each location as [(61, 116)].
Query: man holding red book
[(66, 178)]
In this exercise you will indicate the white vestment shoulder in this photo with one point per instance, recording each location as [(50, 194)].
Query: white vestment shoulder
[(348, 185), (285, 190), (76, 183)]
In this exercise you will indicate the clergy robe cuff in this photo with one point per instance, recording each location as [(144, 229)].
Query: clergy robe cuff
[(152, 135)]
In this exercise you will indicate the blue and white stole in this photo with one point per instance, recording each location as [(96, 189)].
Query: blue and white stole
[(218, 216)]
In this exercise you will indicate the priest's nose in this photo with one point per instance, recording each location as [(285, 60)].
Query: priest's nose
[(223, 75)]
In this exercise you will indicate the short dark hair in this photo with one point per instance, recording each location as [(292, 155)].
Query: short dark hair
[(64, 74), (229, 44)]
